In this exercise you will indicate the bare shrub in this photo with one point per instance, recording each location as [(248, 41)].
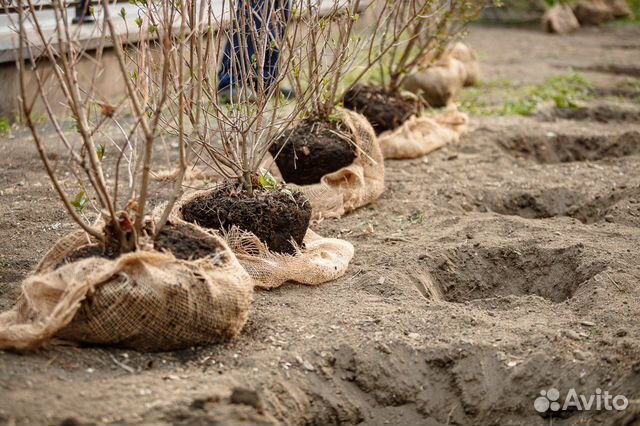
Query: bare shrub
[(115, 186), (231, 124)]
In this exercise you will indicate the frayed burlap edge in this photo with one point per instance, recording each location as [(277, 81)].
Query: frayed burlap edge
[(419, 136)]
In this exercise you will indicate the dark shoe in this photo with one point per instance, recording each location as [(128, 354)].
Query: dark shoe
[(231, 95), (288, 93)]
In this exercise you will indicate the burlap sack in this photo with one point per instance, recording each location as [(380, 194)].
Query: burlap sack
[(592, 12), (147, 301), (619, 8), (420, 136), (320, 260), (464, 54), (439, 84), (354, 186), (560, 19)]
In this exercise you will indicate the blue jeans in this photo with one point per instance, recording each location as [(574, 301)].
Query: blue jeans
[(228, 77)]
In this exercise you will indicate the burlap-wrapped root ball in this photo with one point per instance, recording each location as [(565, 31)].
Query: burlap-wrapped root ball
[(353, 186), (420, 136), (440, 83), (315, 261), (560, 19), (145, 300)]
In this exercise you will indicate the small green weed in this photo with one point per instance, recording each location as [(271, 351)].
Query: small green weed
[(268, 182), (565, 91), (5, 127), (416, 218)]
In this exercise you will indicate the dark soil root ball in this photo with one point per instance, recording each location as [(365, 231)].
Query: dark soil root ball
[(184, 240), (384, 110), (85, 252), (275, 217), (187, 242), (307, 152)]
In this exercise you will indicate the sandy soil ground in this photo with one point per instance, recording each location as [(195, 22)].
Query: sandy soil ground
[(492, 270)]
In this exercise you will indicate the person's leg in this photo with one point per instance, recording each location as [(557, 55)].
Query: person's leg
[(277, 28), (225, 71), (229, 76)]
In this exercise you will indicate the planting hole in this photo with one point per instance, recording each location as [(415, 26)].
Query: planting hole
[(560, 201), (469, 273), (603, 113), (567, 148), (537, 204)]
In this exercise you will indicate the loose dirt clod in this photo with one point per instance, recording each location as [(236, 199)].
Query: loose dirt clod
[(246, 397)]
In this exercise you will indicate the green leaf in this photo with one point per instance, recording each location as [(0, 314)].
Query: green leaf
[(80, 202), (100, 151), (4, 125), (138, 22), (267, 181), (123, 12)]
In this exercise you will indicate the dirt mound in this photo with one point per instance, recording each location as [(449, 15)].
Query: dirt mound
[(623, 202), (625, 212)]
